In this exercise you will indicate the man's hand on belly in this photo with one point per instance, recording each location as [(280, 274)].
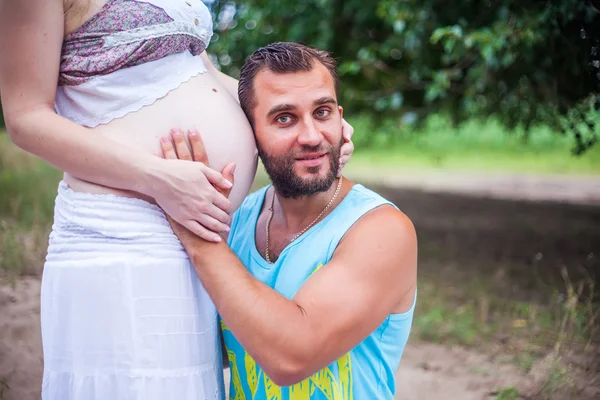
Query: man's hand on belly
[(197, 153)]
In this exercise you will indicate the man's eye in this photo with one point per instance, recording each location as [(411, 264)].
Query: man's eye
[(284, 119), (322, 113)]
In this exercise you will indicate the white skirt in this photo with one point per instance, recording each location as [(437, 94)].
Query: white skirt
[(123, 313)]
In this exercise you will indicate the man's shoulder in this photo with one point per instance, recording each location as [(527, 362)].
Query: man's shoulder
[(366, 211), (382, 216), (364, 194), (383, 236), (362, 200)]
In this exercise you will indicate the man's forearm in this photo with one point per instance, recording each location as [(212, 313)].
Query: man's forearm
[(273, 329)]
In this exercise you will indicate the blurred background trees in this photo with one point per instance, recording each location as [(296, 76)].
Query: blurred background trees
[(465, 112), (524, 62)]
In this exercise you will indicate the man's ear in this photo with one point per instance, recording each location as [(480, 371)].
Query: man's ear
[(341, 109)]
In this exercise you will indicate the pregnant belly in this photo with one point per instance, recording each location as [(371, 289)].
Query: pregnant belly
[(201, 103)]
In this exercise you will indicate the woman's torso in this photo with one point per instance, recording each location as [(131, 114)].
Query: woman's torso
[(200, 102)]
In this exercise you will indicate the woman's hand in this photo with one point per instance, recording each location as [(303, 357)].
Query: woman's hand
[(194, 195), (348, 147)]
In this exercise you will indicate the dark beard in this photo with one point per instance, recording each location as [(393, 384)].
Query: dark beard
[(291, 186)]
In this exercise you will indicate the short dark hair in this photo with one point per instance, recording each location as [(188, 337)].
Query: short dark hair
[(281, 58)]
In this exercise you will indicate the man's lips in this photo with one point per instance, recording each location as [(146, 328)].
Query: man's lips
[(311, 159), (311, 156)]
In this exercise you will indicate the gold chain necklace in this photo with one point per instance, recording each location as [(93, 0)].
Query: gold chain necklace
[(267, 252)]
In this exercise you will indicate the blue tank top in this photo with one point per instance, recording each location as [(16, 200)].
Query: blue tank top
[(366, 371)]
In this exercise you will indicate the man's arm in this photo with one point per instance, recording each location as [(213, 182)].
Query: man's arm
[(372, 274)]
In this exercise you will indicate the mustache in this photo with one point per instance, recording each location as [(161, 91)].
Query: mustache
[(311, 149)]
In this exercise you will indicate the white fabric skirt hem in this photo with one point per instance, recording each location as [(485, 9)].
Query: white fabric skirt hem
[(124, 315)]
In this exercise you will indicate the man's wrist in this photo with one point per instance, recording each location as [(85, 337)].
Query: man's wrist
[(197, 255), (200, 250)]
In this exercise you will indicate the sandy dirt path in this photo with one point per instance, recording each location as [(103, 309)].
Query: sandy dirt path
[(427, 371), (505, 186)]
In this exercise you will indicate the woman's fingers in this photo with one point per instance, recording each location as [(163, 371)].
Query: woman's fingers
[(212, 224), (221, 203), (345, 154), (202, 232), (348, 146), (346, 151), (347, 131)]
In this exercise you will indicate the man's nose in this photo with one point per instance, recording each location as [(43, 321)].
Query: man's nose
[(310, 134)]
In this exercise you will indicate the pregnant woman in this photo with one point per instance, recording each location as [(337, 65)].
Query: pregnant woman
[(123, 314)]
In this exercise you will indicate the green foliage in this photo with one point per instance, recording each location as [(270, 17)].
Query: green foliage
[(525, 361), (28, 187), (3, 387), (27, 192), (525, 62), (507, 393), (477, 145)]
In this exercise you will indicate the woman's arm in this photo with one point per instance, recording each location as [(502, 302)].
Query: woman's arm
[(31, 35)]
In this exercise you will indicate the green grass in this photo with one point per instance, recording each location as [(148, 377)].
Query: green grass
[(473, 146), (28, 186), (474, 316), (507, 393), (3, 388), (26, 207), (546, 337)]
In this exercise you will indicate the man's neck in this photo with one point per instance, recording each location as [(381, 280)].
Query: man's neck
[(296, 214)]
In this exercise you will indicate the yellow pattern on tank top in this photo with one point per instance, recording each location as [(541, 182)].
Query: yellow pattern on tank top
[(324, 380)]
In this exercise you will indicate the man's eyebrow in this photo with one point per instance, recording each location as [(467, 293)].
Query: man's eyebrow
[(325, 100), (280, 108)]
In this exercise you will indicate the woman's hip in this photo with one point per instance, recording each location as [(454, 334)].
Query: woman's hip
[(119, 292), (90, 225)]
